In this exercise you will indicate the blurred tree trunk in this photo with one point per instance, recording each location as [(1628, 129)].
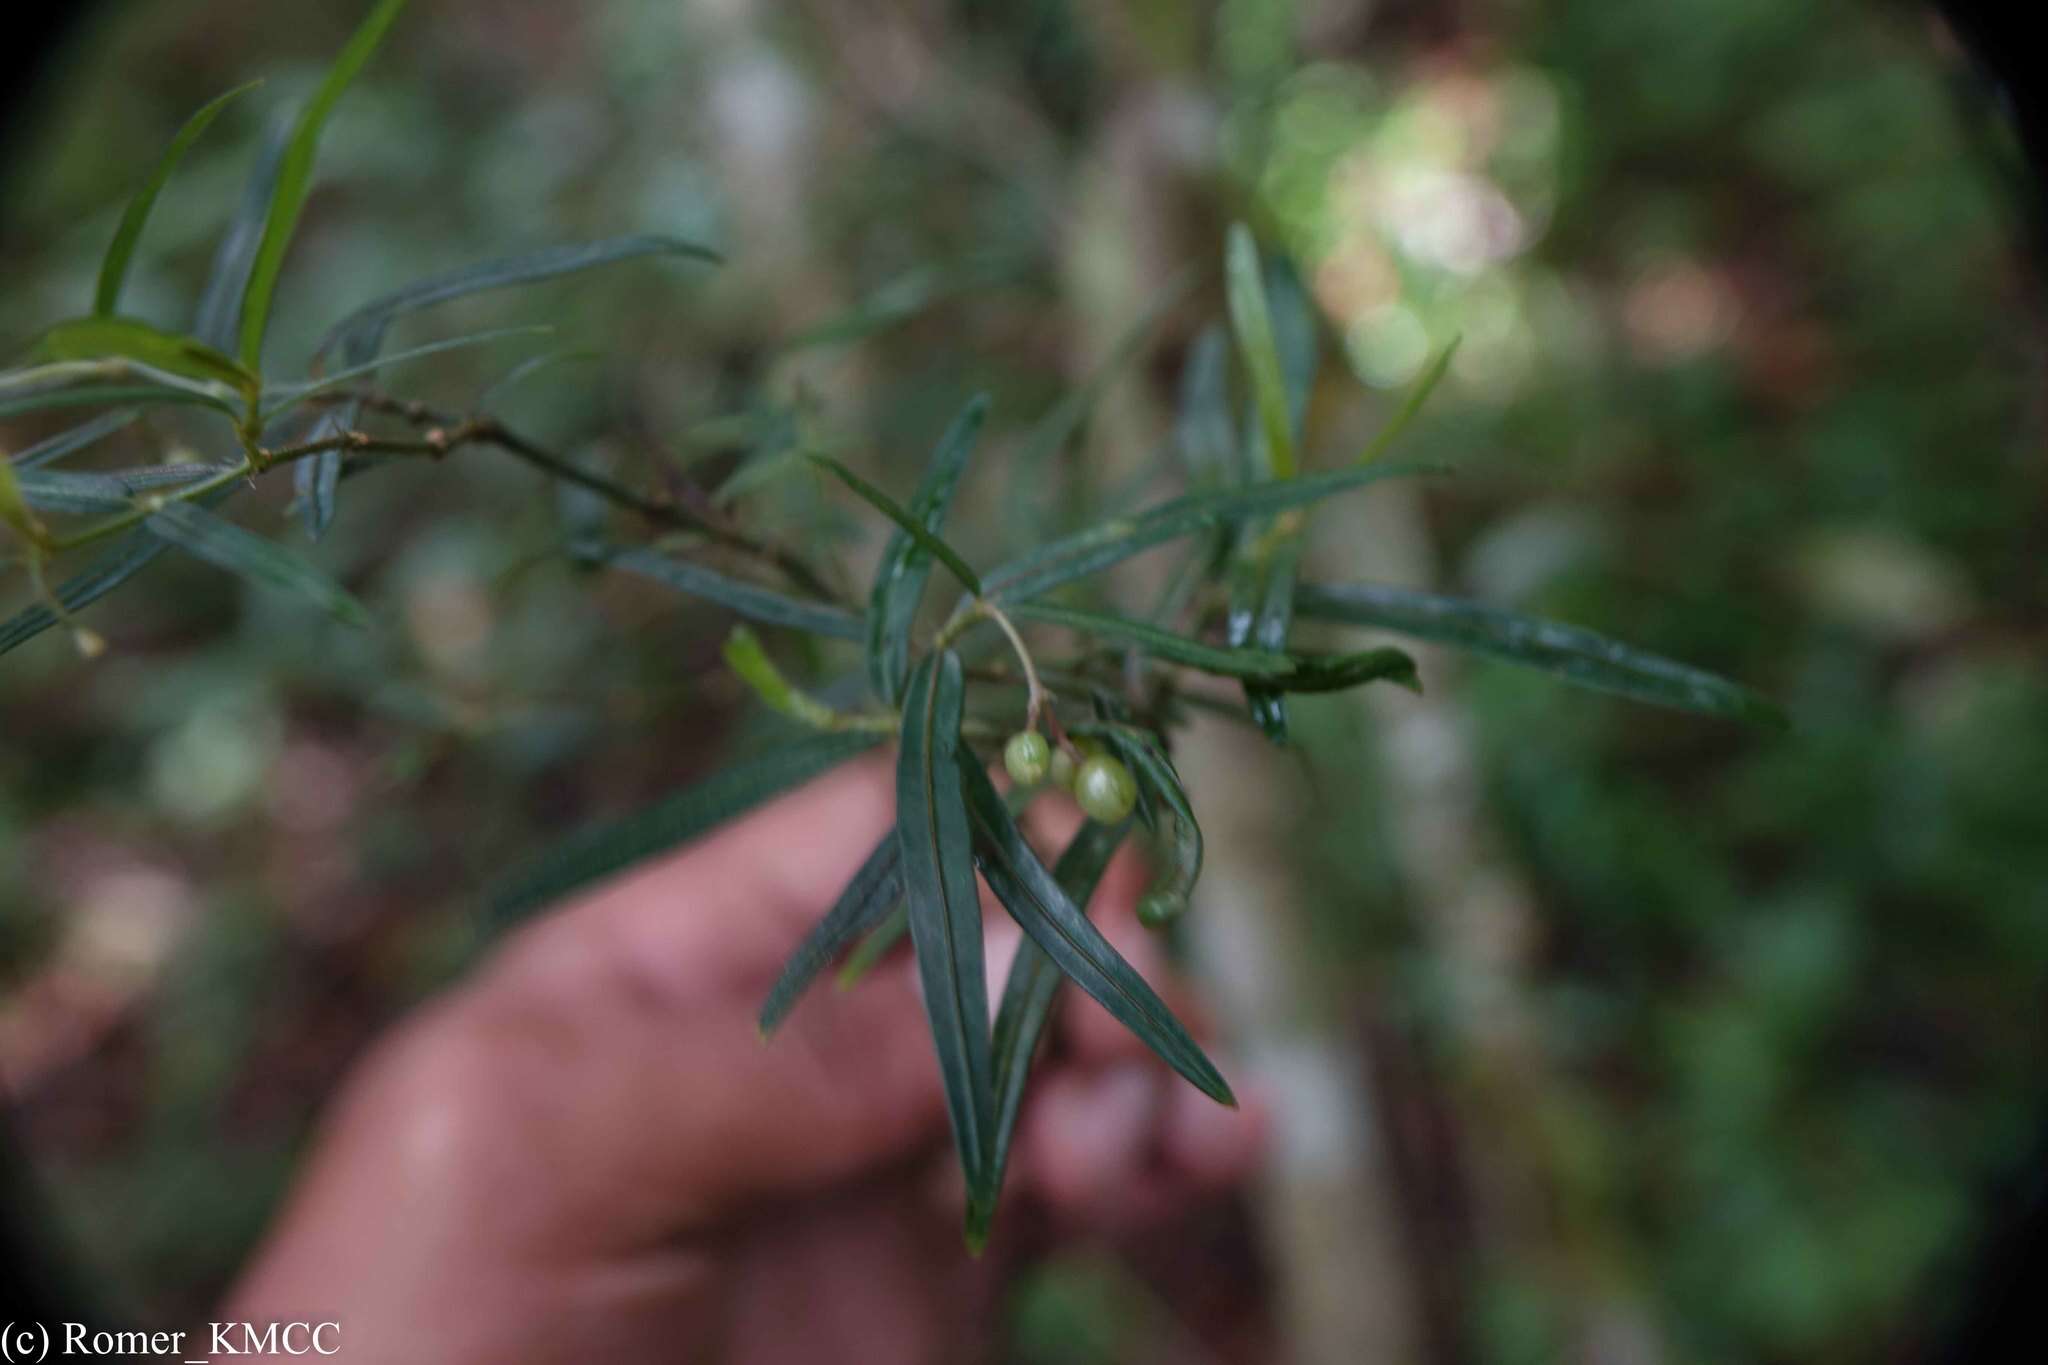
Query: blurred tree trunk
[(1534, 1214), (1331, 1216)]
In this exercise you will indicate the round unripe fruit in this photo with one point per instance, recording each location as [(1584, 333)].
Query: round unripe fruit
[(1105, 789), (1161, 908), (1064, 766), (1028, 757)]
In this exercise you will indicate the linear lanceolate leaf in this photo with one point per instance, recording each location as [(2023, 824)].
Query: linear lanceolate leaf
[(366, 326), (867, 900), (1250, 320), (218, 318), (127, 557), (1418, 394), (528, 368), (316, 480), (905, 565), (295, 178), (1028, 994), (908, 524), (745, 656), (749, 600), (1230, 663), (94, 338), (292, 396), (874, 947), (1282, 672), (1341, 672), (1567, 652), (54, 448), (597, 852), (114, 266), (225, 545), (1293, 315), (65, 490), (103, 383), (15, 511), (945, 907), (1048, 915), (1039, 571), (1158, 777)]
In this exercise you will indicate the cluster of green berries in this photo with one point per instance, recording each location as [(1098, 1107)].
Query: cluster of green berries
[(1105, 790), (1099, 781)]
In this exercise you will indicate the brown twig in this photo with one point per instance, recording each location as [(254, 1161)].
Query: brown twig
[(699, 516)]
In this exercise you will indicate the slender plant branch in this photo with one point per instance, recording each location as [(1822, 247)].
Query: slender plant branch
[(698, 515)]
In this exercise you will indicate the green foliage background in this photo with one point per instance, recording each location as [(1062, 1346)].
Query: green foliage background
[(1749, 338)]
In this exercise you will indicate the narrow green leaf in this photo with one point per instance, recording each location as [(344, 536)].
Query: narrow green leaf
[(292, 395), (945, 908), (104, 382), (1048, 915), (15, 513), (893, 510), (362, 332), (749, 600), (528, 368), (1245, 289), (1293, 315), (874, 947), (1341, 672), (316, 480), (95, 338), (295, 178), (780, 452), (1157, 777), (744, 655), (906, 564), (77, 438), (1027, 1001), (127, 557), (600, 850), (1418, 394), (265, 563), (1040, 570), (64, 490), (114, 267), (867, 900), (1567, 652), (218, 319), (77, 393), (1281, 672), (1230, 663)]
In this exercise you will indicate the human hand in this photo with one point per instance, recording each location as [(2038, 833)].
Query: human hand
[(588, 1153)]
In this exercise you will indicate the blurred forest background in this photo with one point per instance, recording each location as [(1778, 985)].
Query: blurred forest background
[(1596, 1031)]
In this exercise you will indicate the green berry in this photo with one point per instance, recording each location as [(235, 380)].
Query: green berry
[(1161, 908), (1064, 766), (1105, 789), (1028, 757)]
